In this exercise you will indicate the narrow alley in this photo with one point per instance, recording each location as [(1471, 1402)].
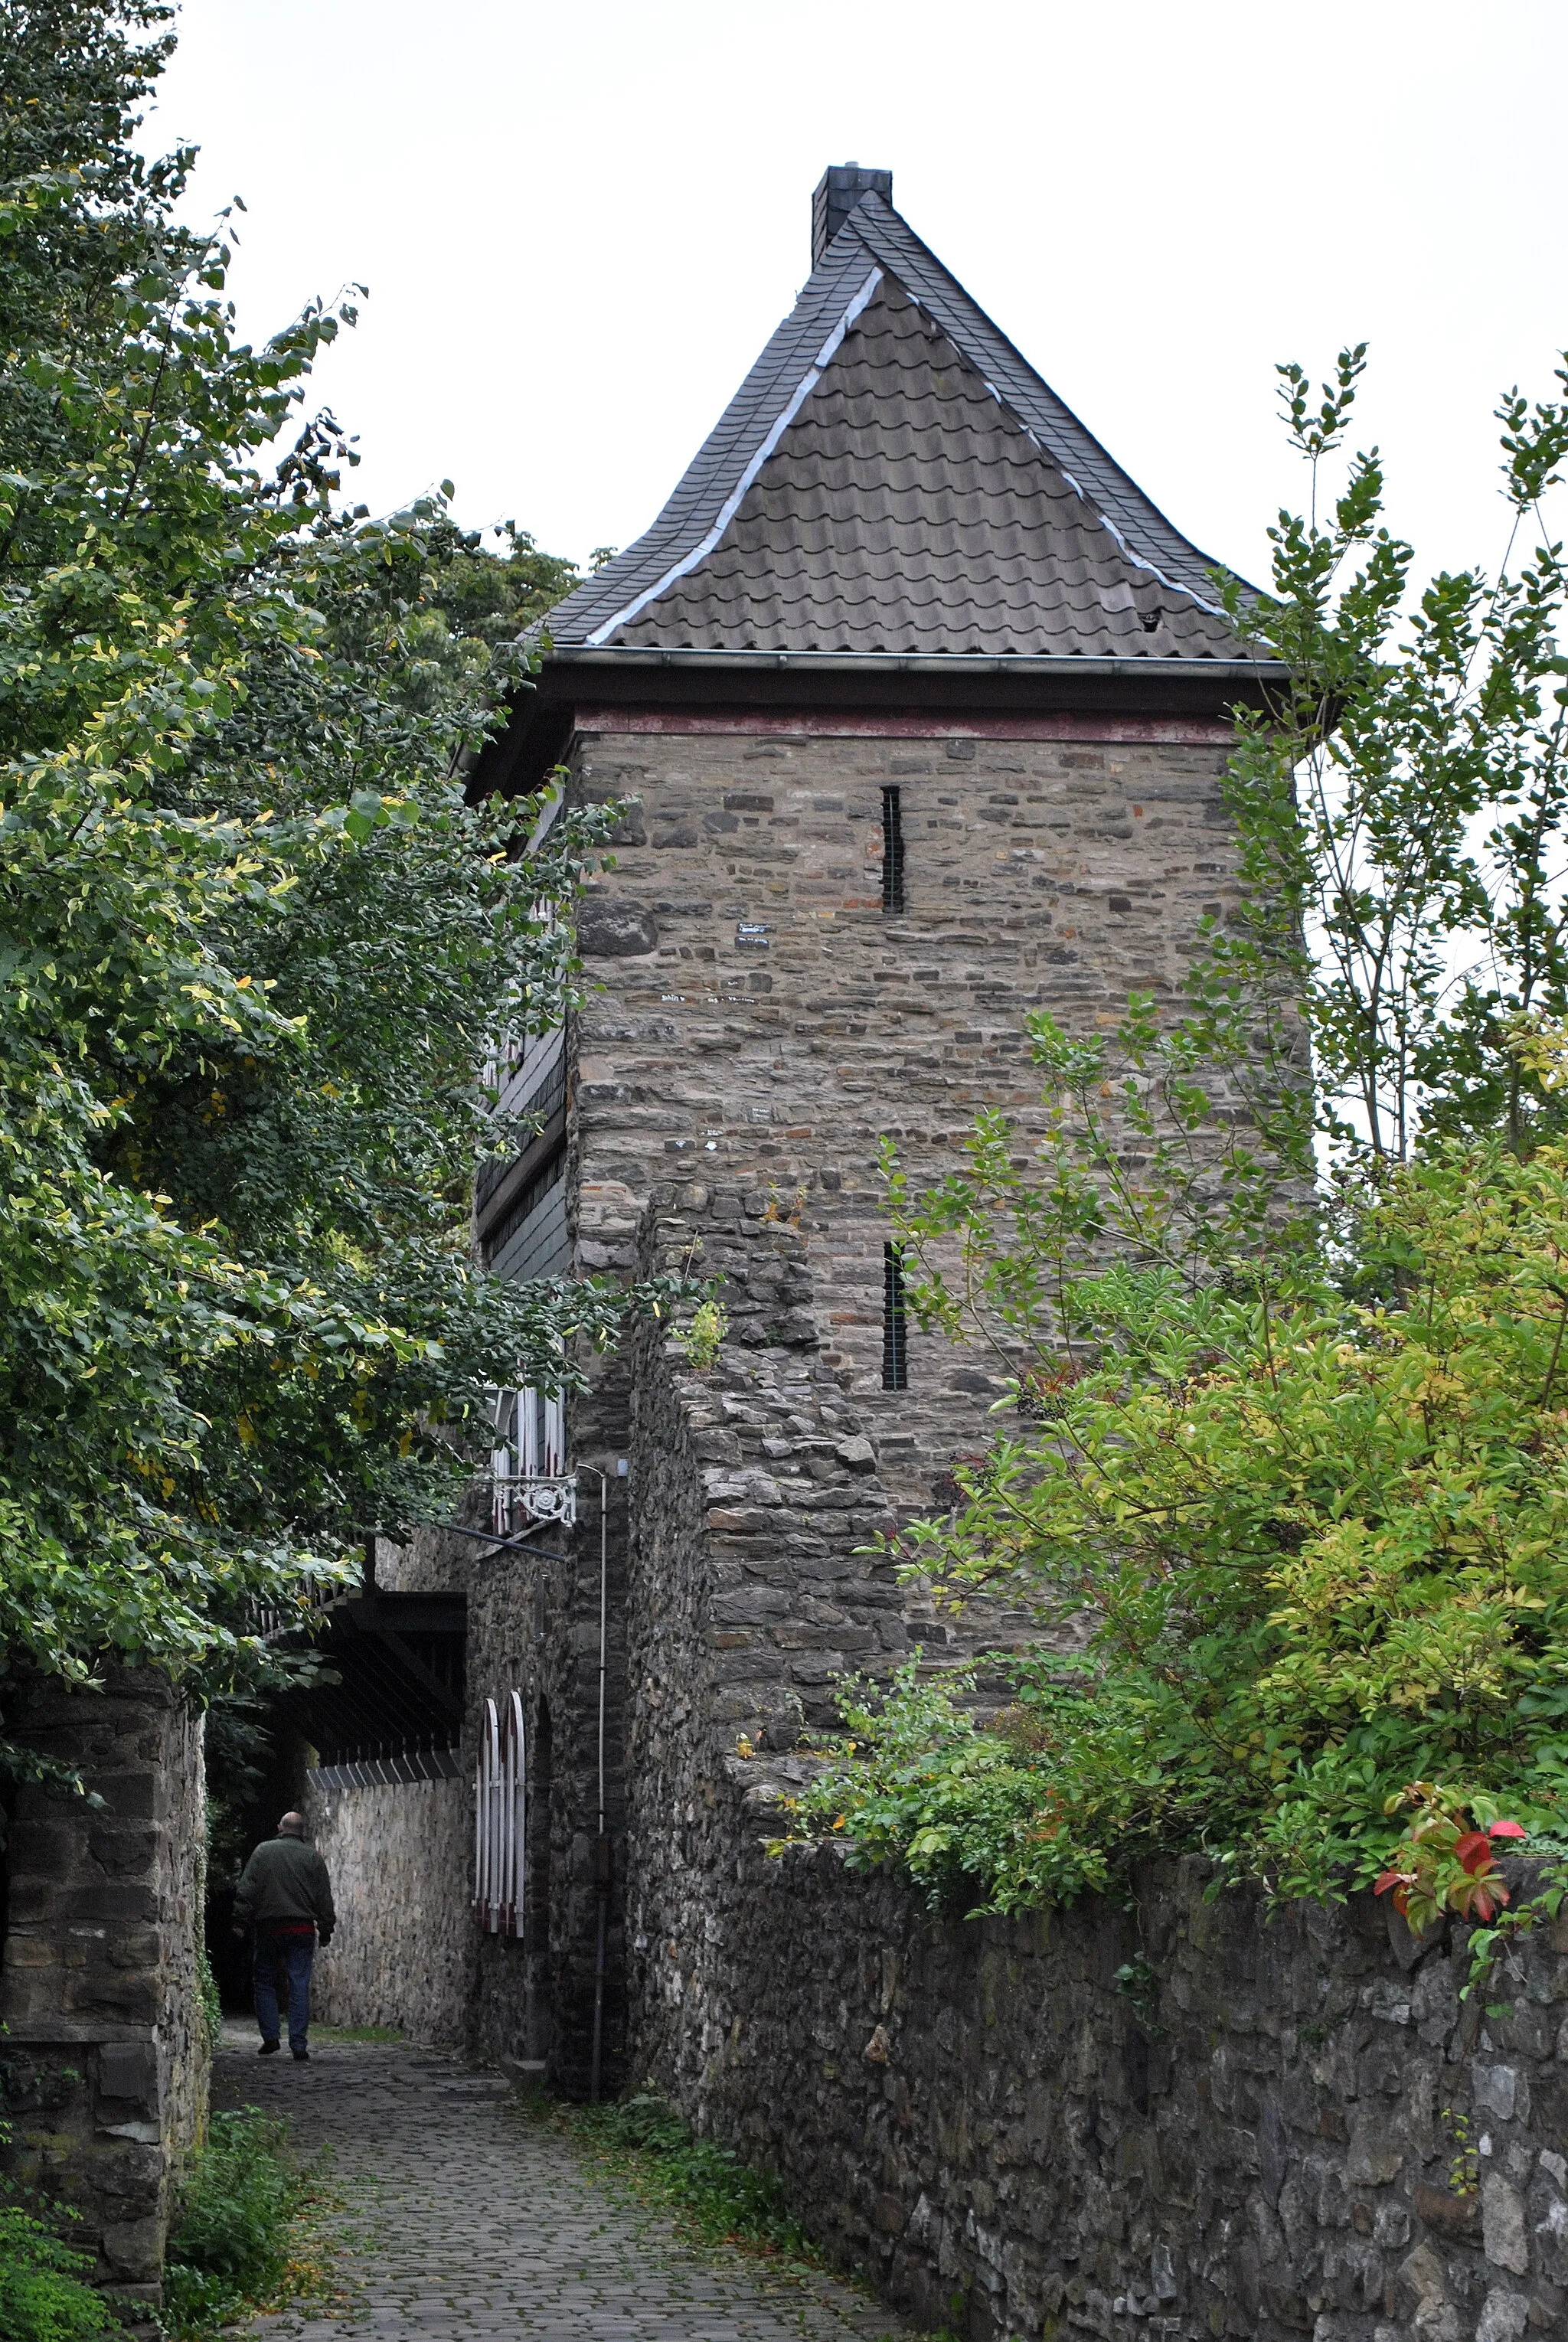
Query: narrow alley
[(462, 2217)]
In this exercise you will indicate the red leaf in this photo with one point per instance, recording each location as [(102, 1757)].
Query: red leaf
[(1389, 1878), (1474, 1850), (1478, 1898), (1507, 1829)]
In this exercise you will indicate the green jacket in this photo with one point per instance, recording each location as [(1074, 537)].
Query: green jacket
[(284, 1883)]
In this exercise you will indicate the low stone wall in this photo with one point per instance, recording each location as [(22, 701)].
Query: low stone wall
[(104, 2060), (400, 1857), (1174, 2121)]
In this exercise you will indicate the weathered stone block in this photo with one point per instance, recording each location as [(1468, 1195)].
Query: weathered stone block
[(613, 929), (98, 1986), (129, 2070), (1502, 2225)]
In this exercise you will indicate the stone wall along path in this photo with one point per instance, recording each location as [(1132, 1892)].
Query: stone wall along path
[(464, 2218)]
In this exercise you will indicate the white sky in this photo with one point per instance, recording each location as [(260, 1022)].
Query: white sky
[(579, 223)]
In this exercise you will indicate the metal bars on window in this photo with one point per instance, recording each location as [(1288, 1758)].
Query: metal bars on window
[(500, 1819), (891, 852), (528, 1476), (894, 1350)]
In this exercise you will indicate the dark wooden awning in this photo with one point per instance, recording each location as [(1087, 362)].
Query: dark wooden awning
[(398, 1662)]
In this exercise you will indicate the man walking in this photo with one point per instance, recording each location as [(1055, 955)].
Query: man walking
[(285, 1895)]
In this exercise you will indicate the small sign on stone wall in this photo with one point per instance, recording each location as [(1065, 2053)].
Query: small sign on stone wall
[(752, 934)]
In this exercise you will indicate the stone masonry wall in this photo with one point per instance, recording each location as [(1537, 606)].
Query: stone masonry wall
[(1282, 2130), (400, 1857), (1175, 2120), (1056, 873), (753, 1081), (759, 1025), (105, 2062), (755, 1498)]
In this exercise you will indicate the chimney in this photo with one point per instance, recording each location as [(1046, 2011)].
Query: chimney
[(839, 189)]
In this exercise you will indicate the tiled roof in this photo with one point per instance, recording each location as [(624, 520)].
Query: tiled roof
[(891, 476), (906, 510)]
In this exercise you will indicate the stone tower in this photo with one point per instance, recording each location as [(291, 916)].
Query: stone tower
[(924, 708)]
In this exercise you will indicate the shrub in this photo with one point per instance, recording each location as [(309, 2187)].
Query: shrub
[(44, 2293), (1310, 1527), (230, 2243)]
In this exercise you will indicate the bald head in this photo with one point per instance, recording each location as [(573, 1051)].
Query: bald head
[(292, 1825)]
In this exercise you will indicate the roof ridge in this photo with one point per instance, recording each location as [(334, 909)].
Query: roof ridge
[(774, 433), (1111, 494)]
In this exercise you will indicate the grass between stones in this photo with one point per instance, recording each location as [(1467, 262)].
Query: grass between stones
[(253, 2230), (641, 2145), (716, 2199)]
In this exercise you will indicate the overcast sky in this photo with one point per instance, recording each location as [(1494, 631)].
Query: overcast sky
[(579, 223)]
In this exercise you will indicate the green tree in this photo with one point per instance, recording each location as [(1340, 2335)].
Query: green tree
[(1314, 1544), (1285, 1469), (254, 939), (1402, 807)]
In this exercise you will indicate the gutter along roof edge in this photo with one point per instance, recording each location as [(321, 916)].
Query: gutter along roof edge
[(820, 684), (944, 663)]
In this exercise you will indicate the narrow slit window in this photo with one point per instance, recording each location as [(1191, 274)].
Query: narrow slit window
[(895, 1348), (892, 858)]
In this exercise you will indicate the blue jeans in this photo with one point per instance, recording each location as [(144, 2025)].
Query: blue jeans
[(294, 1955)]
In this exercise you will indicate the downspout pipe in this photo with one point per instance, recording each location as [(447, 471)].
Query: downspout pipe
[(601, 1841)]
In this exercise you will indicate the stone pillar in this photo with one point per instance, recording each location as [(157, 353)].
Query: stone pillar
[(104, 2070)]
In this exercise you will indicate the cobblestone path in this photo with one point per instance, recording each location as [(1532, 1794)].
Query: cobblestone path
[(465, 2218)]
